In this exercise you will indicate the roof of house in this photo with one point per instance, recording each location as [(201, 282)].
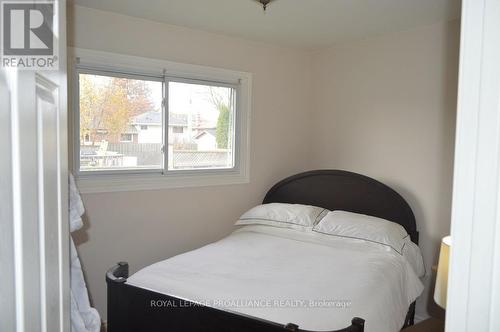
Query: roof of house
[(206, 132), (176, 119), (154, 118), (151, 117), (130, 130)]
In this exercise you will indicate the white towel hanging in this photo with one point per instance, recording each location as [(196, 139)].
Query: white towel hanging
[(84, 318)]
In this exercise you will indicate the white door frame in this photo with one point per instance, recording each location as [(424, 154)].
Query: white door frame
[(34, 236), (474, 283)]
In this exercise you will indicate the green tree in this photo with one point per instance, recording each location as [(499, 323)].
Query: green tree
[(109, 103), (222, 129), (221, 103)]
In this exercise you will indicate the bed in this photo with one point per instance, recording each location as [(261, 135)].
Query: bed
[(268, 279)]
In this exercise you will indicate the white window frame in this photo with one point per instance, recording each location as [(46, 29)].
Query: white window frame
[(150, 179)]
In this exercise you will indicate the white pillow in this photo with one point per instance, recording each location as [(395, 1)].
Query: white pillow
[(363, 227), (297, 216)]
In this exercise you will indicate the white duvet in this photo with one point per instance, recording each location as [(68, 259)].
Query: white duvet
[(316, 281)]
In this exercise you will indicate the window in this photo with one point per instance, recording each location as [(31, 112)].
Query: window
[(125, 138), (201, 109), (178, 130), (110, 107), (138, 120)]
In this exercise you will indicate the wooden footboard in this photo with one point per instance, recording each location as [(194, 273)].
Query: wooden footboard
[(133, 309)]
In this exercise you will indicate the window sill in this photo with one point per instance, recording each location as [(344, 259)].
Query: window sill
[(88, 184)]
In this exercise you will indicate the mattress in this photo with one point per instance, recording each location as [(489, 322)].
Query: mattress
[(316, 281)]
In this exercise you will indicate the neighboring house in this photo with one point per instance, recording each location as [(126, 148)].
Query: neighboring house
[(206, 140), (148, 126), (149, 129), (95, 134), (178, 129), (131, 135)]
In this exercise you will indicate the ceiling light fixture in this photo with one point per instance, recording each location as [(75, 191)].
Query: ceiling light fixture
[(264, 3)]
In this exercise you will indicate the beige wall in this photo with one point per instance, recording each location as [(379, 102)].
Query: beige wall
[(144, 227), (385, 107)]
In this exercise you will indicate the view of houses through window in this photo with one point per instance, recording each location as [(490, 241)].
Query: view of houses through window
[(122, 126)]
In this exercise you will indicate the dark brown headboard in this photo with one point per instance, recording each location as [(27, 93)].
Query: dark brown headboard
[(347, 191)]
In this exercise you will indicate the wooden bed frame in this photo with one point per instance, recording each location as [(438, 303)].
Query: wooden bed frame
[(130, 308)]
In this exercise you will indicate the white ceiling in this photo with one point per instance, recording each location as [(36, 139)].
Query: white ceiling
[(308, 24)]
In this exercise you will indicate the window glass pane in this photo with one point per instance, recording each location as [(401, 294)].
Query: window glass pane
[(120, 123), (201, 127)]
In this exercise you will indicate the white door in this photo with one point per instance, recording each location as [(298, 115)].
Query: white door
[(34, 238), (474, 281)]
